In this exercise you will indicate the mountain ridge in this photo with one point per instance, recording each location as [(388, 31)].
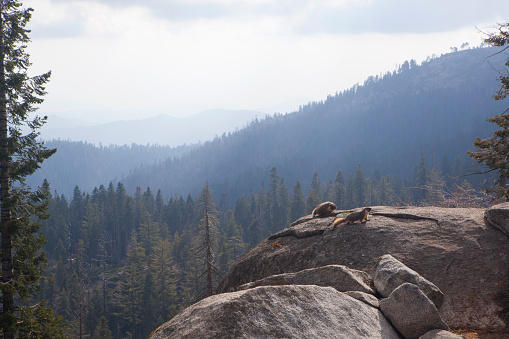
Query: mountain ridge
[(437, 108), (159, 129)]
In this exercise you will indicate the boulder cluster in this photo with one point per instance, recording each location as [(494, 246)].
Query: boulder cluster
[(332, 301)]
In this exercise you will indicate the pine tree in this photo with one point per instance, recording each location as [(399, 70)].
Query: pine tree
[(254, 233), (298, 204), (234, 246), (421, 180), (207, 238), (130, 290), (340, 194), (102, 331), (494, 151), (351, 193), (20, 156), (314, 196), (360, 189), (149, 234), (385, 191), (435, 190), (164, 278), (243, 214)]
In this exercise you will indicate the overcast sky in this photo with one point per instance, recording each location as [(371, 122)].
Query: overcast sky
[(126, 59)]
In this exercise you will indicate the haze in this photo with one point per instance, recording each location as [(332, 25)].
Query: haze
[(126, 59)]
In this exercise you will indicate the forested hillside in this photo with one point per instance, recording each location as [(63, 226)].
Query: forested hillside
[(87, 166), (437, 108)]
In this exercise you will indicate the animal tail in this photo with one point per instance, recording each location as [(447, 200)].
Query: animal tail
[(338, 222)]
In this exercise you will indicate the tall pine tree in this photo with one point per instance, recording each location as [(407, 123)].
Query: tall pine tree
[(494, 151), (20, 156), (207, 234)]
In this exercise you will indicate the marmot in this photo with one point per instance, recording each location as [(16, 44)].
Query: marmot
[(353, 217), (324, 208)]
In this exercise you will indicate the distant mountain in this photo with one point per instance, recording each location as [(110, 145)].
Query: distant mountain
[(161, 129), (438, 107)]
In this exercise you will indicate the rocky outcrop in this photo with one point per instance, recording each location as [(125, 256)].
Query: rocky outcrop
[(411, 311), (466, 258), (498, 217), (296, 311), (279, 306), (340, 277), (390, 274)]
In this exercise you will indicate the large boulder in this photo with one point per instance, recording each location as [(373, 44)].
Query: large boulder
[(296, 311), (389, 273), (452, 247), (340, 277), (411, 311), (498, 217)]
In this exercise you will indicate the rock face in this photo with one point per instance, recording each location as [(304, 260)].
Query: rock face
[(411, 311), (454, 248), (296, 311), (498, 217), (390, 274), (340, 277)]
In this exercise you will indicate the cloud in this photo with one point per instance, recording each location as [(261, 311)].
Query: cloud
[(323, 16), (400, 16), (71, 18), (174, 56)]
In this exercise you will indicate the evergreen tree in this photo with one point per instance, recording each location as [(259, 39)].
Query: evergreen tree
[(316, 186), (385, 191), (164, 278), (149, 311), (340, 191), (298, 208), (314, 196), (76, 214), (351, 192), (102, 331), (208, 236), (360, 188), (234, 246), (149, 234), (274, 204), (130, 290), (254, 233), (243, 214), (20, 156), (421, 180), (445, 168), (494, 151), (435, 190)]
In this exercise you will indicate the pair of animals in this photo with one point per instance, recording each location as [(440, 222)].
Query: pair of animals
[(328, 207)]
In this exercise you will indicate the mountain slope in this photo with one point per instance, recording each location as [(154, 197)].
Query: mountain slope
[(438, 108)]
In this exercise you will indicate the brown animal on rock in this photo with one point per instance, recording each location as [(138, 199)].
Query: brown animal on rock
[(324, 208), (353, 217)]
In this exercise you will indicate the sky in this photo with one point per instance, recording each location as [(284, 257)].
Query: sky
[(131, 59)]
